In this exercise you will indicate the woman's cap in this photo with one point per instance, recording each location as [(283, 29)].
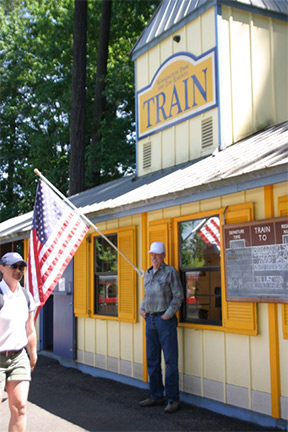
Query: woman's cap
[(11, 258)]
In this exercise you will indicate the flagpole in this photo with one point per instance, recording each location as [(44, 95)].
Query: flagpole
[(89, 223)]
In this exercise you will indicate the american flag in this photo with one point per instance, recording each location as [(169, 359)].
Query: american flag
[(56, 234), (210, 232)]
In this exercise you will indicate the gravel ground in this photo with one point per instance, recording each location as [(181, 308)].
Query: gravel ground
[(65, 399)]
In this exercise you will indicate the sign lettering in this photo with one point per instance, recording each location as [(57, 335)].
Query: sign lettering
[(183, 86), (256, 261)]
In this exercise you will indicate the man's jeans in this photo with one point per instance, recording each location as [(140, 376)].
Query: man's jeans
[(162, 334)]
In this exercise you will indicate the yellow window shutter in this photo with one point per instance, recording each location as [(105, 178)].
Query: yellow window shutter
[(240, 317), (239, 213), (160, 231), (26, 248), (283, 211), (127, 276), (285, 320), (283, 205), (81, 280), (25, 256)]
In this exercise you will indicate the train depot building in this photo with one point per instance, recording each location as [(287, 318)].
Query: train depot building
[(211, 183)]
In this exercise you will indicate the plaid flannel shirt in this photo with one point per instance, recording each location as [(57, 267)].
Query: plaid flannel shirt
[(163, 290)]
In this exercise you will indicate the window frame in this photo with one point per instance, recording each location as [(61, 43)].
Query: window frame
[(208, 268), (97, 275), (176, 262), (92, 287), (123, 269), (239, 318)]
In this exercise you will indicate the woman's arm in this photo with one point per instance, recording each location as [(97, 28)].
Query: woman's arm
[(32, 340)]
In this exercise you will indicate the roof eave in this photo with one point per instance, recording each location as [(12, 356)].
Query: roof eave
[(251, 180), (212, 189)]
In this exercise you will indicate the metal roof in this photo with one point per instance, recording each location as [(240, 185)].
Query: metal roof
[(255, 161), (173, 14)]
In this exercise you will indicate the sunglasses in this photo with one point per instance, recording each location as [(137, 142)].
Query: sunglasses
[(16, 266)]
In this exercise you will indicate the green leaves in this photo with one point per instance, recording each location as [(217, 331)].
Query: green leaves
[(35, 74), (36, 59)]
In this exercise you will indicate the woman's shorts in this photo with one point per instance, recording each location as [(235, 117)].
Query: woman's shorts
[(14, 368)]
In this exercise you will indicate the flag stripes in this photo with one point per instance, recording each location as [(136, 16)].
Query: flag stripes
[(210, 232), (57, 232)]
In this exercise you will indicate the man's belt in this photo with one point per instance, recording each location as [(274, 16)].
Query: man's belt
[(155, 313), (10, 353)]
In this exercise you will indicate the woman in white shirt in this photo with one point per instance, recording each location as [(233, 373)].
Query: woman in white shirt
[(17, 331)]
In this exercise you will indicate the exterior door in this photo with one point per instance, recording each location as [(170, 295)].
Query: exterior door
[(63, 315), (46, 325)]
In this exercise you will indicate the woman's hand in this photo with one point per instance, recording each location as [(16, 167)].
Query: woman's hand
[(33, 361)]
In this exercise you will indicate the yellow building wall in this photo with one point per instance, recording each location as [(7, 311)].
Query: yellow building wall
[(181, 142), (238, 360), (214, 354), (100, 336), (193, 39), (192, 358), (279, 190), (283, 354), (213, 348), (108, 343), (260, 363), (212, 363), (168, 154), (90, 337), (253, 58)]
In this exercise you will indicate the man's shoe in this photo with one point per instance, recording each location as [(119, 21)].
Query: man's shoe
[(152, 402), (172, 407)]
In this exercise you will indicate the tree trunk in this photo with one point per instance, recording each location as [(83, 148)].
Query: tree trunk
[(99, 102), (78, 99)]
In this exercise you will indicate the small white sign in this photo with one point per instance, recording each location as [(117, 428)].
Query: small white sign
[(61, 284)]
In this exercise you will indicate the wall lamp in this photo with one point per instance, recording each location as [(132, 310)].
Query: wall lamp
[(176, 38)]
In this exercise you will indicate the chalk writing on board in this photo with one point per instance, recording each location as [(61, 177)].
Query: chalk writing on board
[(256, 259)]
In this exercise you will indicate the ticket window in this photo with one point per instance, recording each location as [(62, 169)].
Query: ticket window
[(200, 270)]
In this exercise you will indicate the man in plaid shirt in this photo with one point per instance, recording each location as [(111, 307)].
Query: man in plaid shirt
[(163, 297)]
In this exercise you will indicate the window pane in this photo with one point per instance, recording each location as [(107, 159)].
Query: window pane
[(108, 295), (200, 242), (106, 279), (105, 255), (200, 270)]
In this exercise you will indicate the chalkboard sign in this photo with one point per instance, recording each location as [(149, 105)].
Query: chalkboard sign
[(256, 261)]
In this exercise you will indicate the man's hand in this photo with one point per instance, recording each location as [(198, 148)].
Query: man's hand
[(165, 317), (142, 313)]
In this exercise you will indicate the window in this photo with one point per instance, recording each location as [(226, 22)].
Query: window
[(106, 276), (200, 270), (110, 289)]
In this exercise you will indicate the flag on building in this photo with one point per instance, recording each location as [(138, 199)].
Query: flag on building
[(210, 232), (56, 234)]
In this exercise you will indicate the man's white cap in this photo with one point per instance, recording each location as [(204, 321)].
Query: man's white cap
[(157, 247)]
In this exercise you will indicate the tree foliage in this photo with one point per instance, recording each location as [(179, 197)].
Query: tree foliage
[(36, 56), (78, 99), (35, 70)]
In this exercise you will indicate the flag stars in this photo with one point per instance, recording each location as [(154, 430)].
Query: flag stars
[(54, 240), (48, 211)]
